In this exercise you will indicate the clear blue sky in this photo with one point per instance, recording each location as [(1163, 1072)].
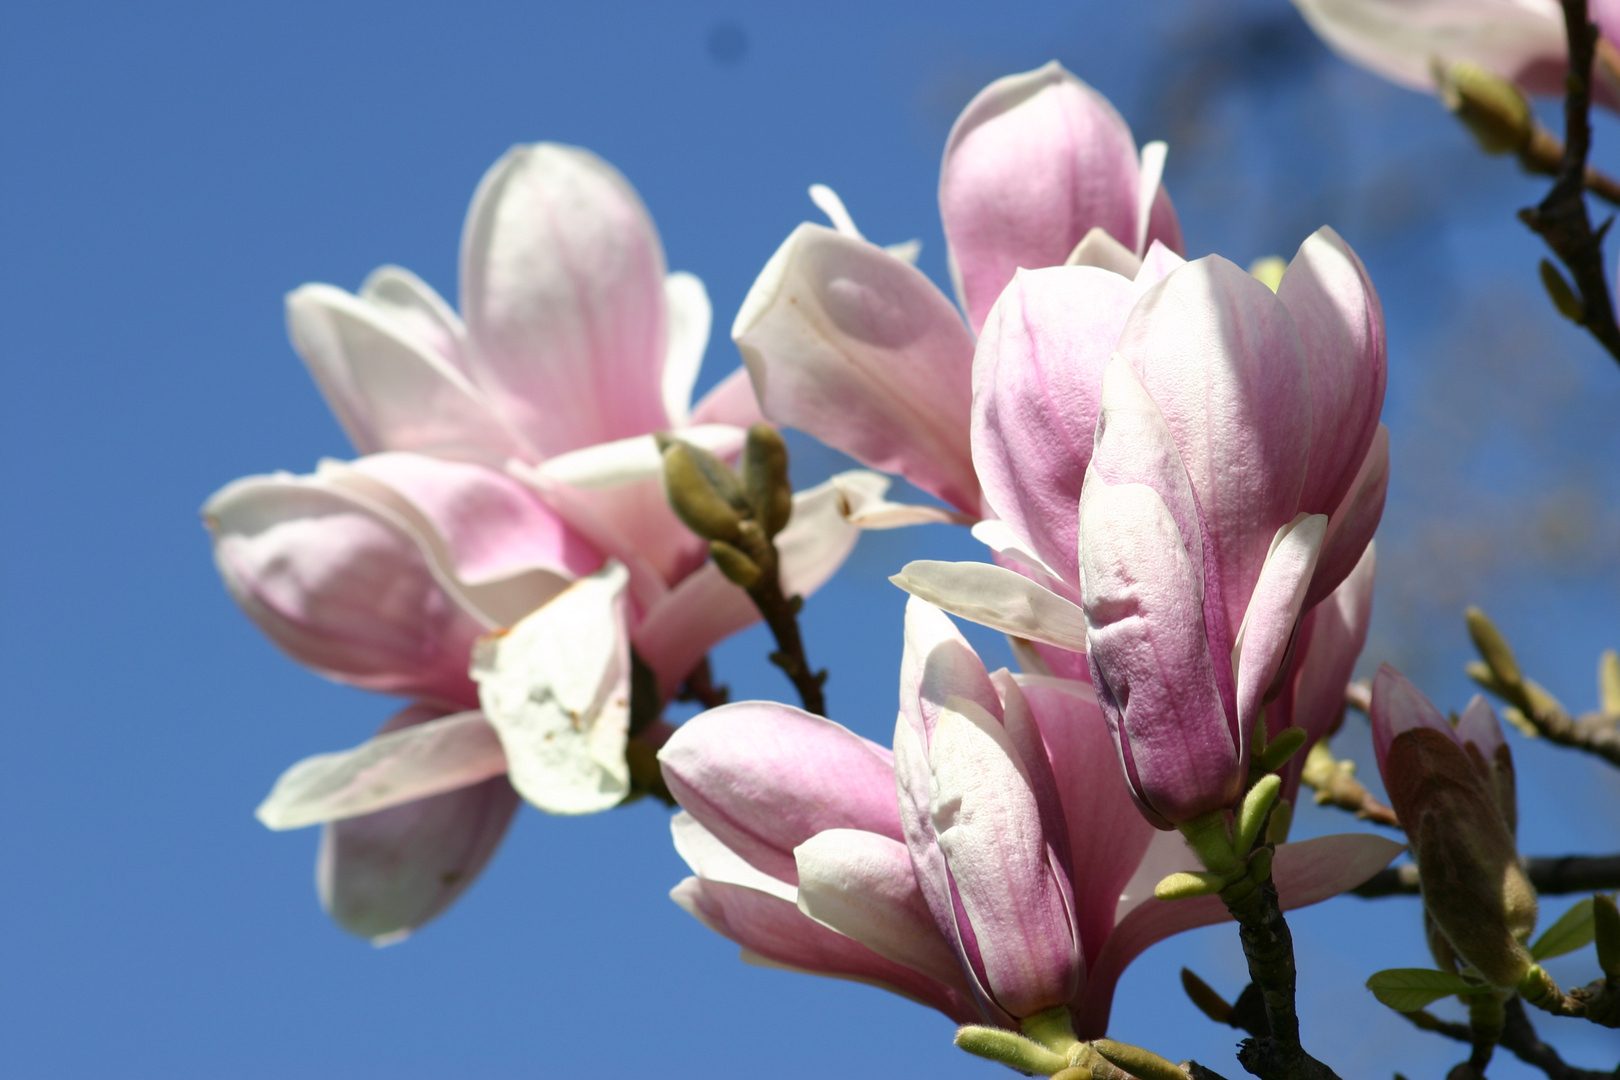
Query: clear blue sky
[(171, 170)]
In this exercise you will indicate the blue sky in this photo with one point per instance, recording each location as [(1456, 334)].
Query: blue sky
[(173, 169)]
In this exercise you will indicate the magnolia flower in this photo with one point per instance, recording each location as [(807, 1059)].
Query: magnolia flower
[(1182, 463), (503, 540), (1522, 41), (1010, 876), (1453, 789), (852, 344)]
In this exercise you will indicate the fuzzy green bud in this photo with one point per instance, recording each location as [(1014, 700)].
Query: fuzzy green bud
[(765, 478), (703, 491), (1203, 995), (1010, 1048), (1144, 1064), (1559, 292), (1493, 649), (1279, 750), (1609, 683), (1188, 884), (738, 567), (1492, 108), (1252, 814)]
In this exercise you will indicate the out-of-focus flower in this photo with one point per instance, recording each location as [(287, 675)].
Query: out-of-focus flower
[(849, 342), (508, 483), (1522, 41), (1011, 877), (1194, 460), (1453, 790)]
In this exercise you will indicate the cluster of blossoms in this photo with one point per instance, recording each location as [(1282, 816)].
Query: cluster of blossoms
[(1176, 467)]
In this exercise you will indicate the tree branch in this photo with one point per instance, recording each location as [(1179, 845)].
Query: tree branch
[(1561, 218), (1555, 876), (1519, 1038)]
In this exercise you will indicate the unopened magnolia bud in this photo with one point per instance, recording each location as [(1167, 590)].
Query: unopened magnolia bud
[(1493, 648), (1010, 1048), (1563, 297), (765, 478), (738, 568), (703, 491), (1609, 683), (1473, 886), (1606, 932), (1210, 1003), (1141, 1063), (1487, 104)]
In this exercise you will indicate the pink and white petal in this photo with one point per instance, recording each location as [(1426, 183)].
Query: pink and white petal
[(419, 311), (562, 287), (848, 343), (1351, 528), (1164, 227), (1037, 381), (1268, 627), (764, 778), (731, 401), (1014, 552), (775, 933), (626, 461), (1219, 354), (1161, 258), (1400, 39), (1181, 753), (556, 688), (996, 597), (390, 390), (862, 885), (1337, 632), (1034, 162), (384, 874), (507, 550), (988, 825), (1341, 326), (1305, 873), (1399, 706), (398, 765), (711, 860), (861, 496), (1107, 834), (342, 585), (690, 318)]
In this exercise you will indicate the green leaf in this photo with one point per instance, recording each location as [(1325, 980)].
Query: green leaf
[(1574, 930), (1410, 989)]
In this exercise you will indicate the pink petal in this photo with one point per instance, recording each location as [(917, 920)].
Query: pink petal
[(1151, 657), (1306, 873), (1479, 728), (1331, 638), (1268, 625), (343, 586), (1351, 528), (859, 349), (1220, 356), (774, 933), (1341, 327), (862, 885), (383, 875), (988, 824), (1034, 162), (732, 401), (1037, 380), (1398, 706), (390, 389), (1107, 834), (764, 778), (510, 551), (562, 281)]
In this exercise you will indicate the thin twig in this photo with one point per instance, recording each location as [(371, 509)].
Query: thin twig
[(1551, 877), (701, 687), (1561, 218), (1518, 1038), (1544, 155), (781, 614)]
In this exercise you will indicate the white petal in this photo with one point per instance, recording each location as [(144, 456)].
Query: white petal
[(999, 537), (998, 598), (421, 311), (1153, 155), (626, 461), (906, 251), (828, 202), (398, 767), (1099, 248), (1268, 622), (557, 689), (690, 317), (711, 860), (865, 507)]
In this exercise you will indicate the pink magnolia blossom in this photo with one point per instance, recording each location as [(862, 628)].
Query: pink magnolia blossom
[(851, 343), (992, 867), (1522, 41), (1182, 463), (503, 540)]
